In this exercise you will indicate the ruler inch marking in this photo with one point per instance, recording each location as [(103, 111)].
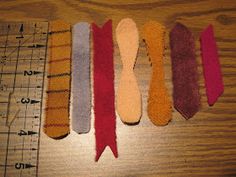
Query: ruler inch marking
[(41, 103), (23, 55)]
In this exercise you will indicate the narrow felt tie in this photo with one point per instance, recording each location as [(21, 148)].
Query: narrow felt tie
[(184, 71), (159, 104), (211, 66), (129, 102), (56, 123), (104, 107), (81, 91)]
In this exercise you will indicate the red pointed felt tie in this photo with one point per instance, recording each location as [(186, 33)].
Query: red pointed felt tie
[(184, 71), (211, 66), (104, 108)]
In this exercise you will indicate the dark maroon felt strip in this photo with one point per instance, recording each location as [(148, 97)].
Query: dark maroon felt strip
[(211, 66), (104, 107), (184, 71)]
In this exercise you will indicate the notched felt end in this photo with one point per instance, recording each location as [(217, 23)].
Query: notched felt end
[(107, 24), (100, 151)]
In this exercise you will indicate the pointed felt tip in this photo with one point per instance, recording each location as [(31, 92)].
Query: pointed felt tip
[(212, 101), (179, 28), (208, 30)]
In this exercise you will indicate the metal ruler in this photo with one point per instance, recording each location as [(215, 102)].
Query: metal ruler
[(23, 51)]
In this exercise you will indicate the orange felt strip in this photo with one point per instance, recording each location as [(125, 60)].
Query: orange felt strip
[(56, 123), (159, 104)]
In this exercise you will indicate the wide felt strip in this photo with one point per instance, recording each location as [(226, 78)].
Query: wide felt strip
[(56, 124), (81, 91), (184, 71), (211, 66), (159, 105), (104, 108), (129, 102)]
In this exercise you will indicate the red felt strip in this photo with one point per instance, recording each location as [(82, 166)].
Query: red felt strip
[(184, 70), (211, 66), (104, 108)]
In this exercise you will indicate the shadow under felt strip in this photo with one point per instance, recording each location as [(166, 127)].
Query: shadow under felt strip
[(56, 124), (159, 104), (211, 66), (129, 101), (184, 71), (81, 90), (104, 107)]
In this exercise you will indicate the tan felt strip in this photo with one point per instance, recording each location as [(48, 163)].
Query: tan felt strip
[(56, 123), (57, 32), (159, 105), (129, 102), (59, 67), (58, 53), (53, 99), (48, 109), (53, 132), (59, 60), (58, 75), (59, 83), (57, 91), (57, 116), (60, 40), (58, 46)]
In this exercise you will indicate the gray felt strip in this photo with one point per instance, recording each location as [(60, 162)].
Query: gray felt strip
[(81, 91)]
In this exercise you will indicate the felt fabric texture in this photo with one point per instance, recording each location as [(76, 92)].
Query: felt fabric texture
[(211, 66), (56, 124), (159, 104), (104, 108), (80, 87), (184, 71), (129, 101)]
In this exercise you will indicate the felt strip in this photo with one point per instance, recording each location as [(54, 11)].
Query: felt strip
[(211, 66), (81, 92), (184, 71), (159, 104), (56, 124), (129, 102), (104, 108)]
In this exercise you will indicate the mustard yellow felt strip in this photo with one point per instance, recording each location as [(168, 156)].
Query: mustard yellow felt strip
[(56, 123), (159, 105)]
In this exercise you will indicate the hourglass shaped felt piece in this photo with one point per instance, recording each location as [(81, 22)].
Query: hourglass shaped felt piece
[(159, 104), (129, 101)]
